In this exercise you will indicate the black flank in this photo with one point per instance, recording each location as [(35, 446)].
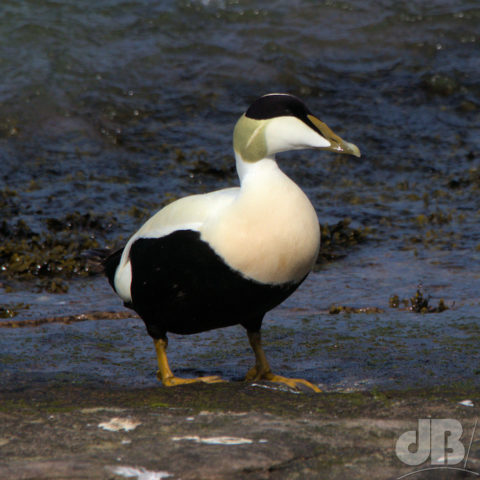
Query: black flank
[(180, 285)]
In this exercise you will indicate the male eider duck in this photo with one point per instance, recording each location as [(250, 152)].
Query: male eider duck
[(228, 257)]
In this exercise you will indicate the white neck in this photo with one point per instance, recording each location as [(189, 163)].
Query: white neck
[(246, 169)]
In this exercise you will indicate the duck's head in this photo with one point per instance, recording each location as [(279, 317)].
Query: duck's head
[(279, 122)]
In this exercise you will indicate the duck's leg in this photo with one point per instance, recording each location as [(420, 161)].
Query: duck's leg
[(262, 371), (164, 373)]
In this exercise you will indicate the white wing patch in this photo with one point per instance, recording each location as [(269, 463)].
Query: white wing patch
[(188, 213)]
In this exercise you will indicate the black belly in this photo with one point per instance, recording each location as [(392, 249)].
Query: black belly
[(180, 285)]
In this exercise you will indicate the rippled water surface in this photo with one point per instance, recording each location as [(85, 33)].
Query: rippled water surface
[(108, 110)]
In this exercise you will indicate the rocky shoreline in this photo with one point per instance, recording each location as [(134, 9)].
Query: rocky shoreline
[(224, 431)]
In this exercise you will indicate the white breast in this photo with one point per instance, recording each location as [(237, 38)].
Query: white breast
[(270, 232)]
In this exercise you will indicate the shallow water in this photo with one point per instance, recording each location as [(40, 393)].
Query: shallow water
[(127, 104)]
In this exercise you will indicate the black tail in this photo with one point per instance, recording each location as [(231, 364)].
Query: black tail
[(101, 260), (110, 265)]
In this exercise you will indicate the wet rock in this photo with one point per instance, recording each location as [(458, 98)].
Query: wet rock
[(419, 303), (51, 257), (338, 239), (335, 309), (439, 84), (226, 431)]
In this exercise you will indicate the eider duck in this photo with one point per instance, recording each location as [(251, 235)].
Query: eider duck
[(228, 257)]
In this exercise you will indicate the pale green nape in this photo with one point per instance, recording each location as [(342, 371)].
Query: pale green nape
[(249, 139)]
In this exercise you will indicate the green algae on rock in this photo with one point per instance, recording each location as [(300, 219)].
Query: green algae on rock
[(419, 303), (51, 256), (10, 311), (337, 239), (335, 309)]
